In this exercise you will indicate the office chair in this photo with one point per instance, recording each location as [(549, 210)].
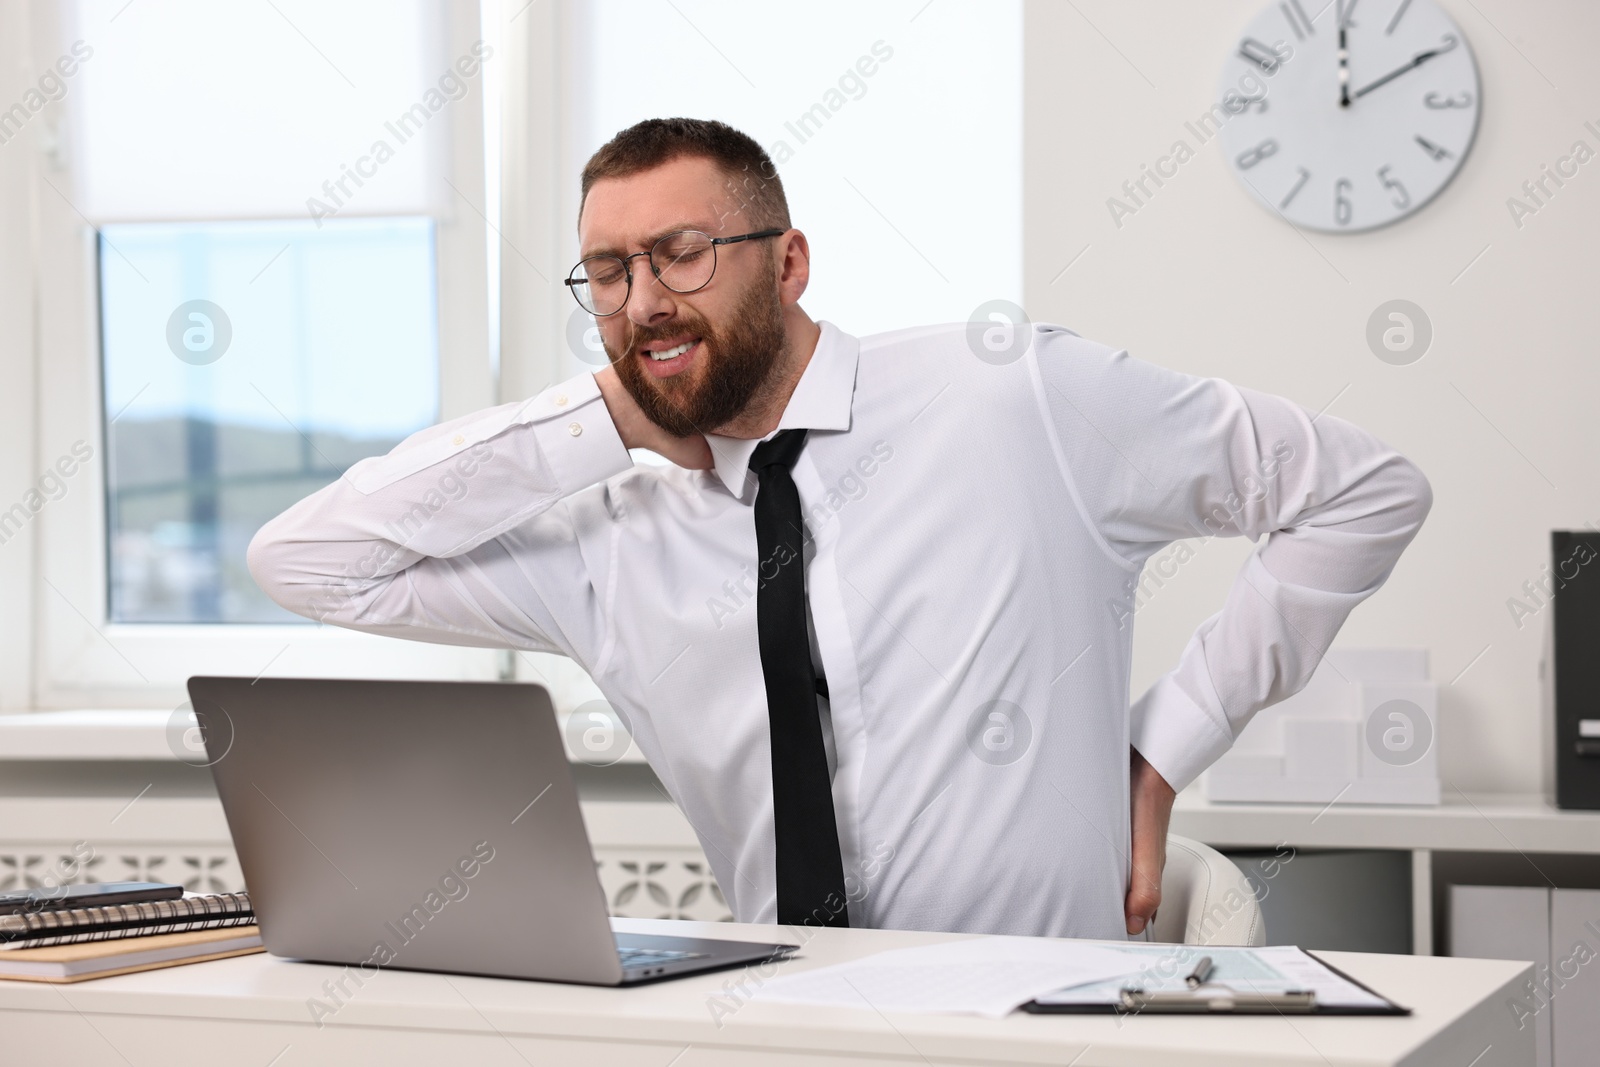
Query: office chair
[(1205, 899)]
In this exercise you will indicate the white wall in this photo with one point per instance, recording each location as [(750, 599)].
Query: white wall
[(1204, 280), (18, 158)]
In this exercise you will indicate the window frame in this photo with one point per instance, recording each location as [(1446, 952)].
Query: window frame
[(80, 659)]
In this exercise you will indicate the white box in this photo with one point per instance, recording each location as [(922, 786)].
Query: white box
[(1364, 730), (1319, 749), (1399, 730)]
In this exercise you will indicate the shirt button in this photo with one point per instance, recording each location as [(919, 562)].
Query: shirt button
[(574, 428), (561, 401), (458, 440)]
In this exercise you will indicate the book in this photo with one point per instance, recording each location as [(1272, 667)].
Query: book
[(84, 895), (42, 929), (100, 959)]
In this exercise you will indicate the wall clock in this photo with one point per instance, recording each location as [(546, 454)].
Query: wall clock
[(1347, 115)]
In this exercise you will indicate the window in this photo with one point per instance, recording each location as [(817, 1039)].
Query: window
[(230, 153), (885, 157), (262, 256), (246, 365)]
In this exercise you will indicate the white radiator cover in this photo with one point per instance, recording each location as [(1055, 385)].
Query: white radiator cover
[(650, 864)]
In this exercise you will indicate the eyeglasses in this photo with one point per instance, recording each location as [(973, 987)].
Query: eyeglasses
[(683, 261)]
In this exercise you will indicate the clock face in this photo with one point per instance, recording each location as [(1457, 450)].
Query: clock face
[(1349, 117)]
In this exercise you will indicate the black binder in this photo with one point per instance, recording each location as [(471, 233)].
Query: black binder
[(1574, 588)]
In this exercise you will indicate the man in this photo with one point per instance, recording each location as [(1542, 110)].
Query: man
[(872, 628)]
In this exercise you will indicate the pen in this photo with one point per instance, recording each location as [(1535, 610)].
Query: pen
[(1202, 971)]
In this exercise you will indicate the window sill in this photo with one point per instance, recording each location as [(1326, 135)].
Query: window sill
[(100, 734), (142, 734)]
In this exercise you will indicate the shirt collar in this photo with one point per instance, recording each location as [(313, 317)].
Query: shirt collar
[(820, 401)]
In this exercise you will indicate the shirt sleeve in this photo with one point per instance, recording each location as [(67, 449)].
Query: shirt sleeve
[(459, 535), (1158, 456)]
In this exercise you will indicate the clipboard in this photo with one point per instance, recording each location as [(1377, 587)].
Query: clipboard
[(1220, 996)]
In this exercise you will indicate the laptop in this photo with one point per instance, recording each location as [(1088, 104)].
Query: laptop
[(426, 826)]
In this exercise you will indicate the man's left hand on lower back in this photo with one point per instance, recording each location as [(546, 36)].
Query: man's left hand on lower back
[(1151, 799)]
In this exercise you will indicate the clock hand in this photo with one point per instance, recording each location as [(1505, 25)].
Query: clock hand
[(1345, 14), (1416, 61), (1344, 71)]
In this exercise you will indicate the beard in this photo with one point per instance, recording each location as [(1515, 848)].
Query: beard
[(732, 367)]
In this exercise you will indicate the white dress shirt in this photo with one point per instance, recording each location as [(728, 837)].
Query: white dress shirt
[(977, 530)]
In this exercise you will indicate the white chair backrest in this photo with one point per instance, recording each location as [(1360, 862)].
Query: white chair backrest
[(1205, 899)]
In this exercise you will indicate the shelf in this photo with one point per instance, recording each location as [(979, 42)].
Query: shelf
[(1496, 822)]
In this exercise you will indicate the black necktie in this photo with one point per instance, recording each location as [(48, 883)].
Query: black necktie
[(810, 872)]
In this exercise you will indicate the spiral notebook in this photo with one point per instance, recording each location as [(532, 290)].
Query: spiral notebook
[(101, 959), (41, 929)]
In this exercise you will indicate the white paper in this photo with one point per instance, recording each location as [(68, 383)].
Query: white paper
[(1278, 969), (987, 976), (1333, 990)]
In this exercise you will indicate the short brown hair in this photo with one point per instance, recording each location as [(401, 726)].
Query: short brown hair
[(752, 180)]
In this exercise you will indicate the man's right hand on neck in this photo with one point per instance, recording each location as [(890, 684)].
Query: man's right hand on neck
[(637, 431)]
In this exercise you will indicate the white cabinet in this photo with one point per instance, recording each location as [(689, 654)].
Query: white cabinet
[(1509, 923)]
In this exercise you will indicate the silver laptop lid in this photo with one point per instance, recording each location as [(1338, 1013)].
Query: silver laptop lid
[(427, 825)]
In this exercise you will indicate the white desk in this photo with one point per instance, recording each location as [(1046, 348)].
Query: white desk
[(252, 1011)]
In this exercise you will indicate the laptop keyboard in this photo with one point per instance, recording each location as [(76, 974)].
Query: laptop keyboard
[(641, 957)]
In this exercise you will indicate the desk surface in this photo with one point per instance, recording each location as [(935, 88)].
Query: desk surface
[(251, 1009)]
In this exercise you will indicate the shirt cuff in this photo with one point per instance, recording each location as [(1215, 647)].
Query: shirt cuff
[(1174, 734), (577, 435)]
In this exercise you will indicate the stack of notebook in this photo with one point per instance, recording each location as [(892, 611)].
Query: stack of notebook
[(71, 944)]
